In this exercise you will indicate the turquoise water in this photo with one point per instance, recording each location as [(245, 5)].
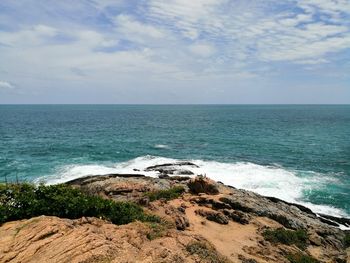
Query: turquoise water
[(298, 153)]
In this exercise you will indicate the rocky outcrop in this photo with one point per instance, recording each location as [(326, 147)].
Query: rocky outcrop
[(213, 216), (172, 168), (203, 185), (51, 239), (231, 220)]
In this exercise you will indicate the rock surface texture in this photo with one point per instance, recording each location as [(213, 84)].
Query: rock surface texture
[(230, 221)]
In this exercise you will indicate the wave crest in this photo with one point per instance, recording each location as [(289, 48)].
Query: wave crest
[(273, 181)]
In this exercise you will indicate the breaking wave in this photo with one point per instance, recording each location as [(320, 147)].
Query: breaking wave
[(273, 181)]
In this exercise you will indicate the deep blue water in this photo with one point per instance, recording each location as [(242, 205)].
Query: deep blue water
[(273, 145)]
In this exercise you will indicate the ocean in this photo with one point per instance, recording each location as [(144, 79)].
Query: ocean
[(298, 153)]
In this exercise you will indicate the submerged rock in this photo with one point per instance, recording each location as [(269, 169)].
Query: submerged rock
[(170, 165)]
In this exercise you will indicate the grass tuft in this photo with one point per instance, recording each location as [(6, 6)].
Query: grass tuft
[(300, 258), (287, 237), (205, 252), (158, 229), (169, 194), (347, 240)]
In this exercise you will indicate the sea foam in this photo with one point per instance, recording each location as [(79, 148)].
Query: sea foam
[(161, 146), (268, 180)]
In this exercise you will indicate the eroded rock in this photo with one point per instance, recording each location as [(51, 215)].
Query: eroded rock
[(203, 185), (213, 216)]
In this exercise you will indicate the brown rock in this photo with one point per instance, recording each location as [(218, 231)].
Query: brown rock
[(181, 222), (213, 216), (315, 239), (54, 240), (203, 185), (237, 216)]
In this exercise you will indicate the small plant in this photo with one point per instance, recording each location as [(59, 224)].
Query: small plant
[(301, 258), (287, 237), (205, 252), (169, 194), (23, 201), (347, 240), (158, 229)]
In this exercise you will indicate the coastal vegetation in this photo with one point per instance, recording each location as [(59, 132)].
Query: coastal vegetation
[(347, 240), (168, 194), (287, 237), (206, 252), (158, 229), (23, 201), (301, 258)]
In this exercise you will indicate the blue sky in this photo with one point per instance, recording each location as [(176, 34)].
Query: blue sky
[(175, 51)]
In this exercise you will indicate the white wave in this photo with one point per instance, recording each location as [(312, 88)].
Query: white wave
[(161, 146), (273, 181)]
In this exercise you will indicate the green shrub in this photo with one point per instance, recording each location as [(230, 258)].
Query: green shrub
[(287, 237), (169, 194), (346, 240), (24, 201), (158, 229), (300, 258), (205, 252)]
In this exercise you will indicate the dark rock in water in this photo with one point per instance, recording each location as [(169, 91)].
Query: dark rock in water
[(301, 207), (155, 167), (171, 170), (203, 185), (332, 220), (329, 222), (213, 216), (164, 176)]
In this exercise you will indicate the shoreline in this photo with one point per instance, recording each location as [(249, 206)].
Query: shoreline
[(342, 223), (240, 175), (232, 225)]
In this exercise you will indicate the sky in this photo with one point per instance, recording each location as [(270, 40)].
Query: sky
[(175, 51)]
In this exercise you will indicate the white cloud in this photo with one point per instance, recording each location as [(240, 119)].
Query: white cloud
[(131, 27), (44, 30), (5, 85), (32, 36), (203, 50), (312, 61), (175, 39)]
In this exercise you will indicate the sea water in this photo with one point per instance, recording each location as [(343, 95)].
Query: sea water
[(299, 153)]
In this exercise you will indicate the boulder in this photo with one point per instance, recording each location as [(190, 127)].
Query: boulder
[(213, 216), (181, 222), (203, 185)]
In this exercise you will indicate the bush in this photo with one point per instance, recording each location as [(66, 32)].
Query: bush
[(346, 240), (300, 258), (169, 194), (24, 201), (205, 252), (287, 237)]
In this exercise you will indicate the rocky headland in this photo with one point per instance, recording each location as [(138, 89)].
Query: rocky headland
[(202, 221)]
